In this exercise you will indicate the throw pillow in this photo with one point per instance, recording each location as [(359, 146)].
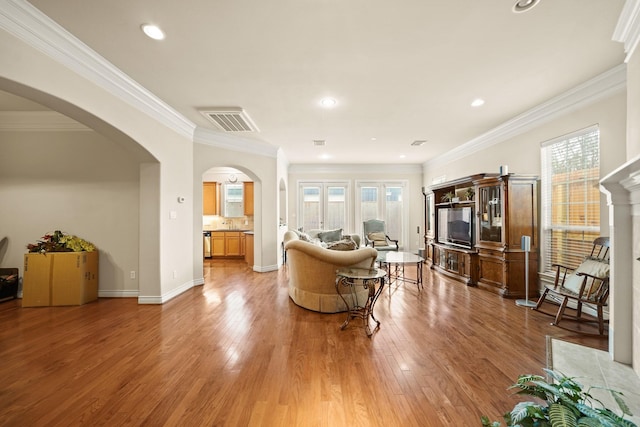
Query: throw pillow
[(594, 267), (378, 238), (304, 237), (342, 245), (330, 235)]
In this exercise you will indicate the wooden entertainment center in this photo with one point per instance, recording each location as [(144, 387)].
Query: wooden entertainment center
[(474, 227)]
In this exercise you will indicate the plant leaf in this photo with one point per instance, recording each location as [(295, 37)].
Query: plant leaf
[(561, 416), (589, 422), (606, 417), (621, 403), (523, 410)]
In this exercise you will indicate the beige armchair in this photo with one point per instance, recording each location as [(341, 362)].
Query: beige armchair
[(312, 273)]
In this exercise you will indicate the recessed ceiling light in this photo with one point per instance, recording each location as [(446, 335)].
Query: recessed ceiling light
[(477, 102), (524, 5), (153, 31), (325, 156), (402, 156), (328, 102)]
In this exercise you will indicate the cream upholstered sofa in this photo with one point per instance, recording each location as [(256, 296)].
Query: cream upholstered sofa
[(312, 273)]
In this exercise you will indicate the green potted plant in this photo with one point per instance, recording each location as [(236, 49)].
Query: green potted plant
[(448, 197), (59, 241), (566, 405), (469, 193)]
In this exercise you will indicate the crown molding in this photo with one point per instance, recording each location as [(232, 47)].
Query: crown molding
[(601, 86), (336, 168), (38, 121), (233, 142), (24, 21), (627, 30)]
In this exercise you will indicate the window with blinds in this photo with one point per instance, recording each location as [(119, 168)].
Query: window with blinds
[(570, 197)]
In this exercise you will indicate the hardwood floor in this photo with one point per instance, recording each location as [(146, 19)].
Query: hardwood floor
[(238, 352)]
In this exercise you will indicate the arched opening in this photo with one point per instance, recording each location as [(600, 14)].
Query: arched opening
[(228, 201), (68, 169)]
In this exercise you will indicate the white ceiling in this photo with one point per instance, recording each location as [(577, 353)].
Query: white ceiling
[(400, 71)]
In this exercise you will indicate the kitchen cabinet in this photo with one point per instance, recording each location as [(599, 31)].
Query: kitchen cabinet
[(227, 244), (248, 251), (217, 244), (210, 198), (232, 243), (248, 198)]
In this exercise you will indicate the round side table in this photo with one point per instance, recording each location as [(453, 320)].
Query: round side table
[(351, 278)]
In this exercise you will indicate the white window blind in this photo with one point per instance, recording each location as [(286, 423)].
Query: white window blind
[(570, 197)]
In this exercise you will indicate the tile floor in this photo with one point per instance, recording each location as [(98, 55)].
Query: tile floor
[(593, 367)]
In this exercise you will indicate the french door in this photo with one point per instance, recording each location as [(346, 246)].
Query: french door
[(385, 201), (323, 205)]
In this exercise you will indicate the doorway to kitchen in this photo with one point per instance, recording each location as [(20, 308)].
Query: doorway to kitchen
[(228, 216)]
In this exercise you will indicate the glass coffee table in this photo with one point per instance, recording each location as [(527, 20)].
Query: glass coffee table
[(394, 264), (352, 278)]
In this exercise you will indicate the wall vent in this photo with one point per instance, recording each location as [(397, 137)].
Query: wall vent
[(230, 119), (319, 143)]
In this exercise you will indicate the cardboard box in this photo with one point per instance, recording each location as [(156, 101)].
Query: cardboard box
[(59, 278)]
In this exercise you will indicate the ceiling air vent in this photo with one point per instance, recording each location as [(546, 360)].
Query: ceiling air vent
[(230, 119), (319, 143), (419, 142)]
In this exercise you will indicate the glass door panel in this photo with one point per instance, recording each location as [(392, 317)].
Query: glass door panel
[(393, 211), (311, 208), (336, 210), (369, 203), (490, 214), (430, 215)]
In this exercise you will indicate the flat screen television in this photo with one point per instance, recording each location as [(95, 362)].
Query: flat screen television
[(455, 226)]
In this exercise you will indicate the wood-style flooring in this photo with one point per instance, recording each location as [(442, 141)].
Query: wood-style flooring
[(237, 352)]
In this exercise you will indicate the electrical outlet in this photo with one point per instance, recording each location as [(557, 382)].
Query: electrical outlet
[(132, 274)]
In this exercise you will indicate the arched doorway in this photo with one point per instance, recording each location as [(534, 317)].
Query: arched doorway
[(66, 175), (227, 215)]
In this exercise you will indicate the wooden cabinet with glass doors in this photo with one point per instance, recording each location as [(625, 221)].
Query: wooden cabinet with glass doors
[(507, 209), (502, 209)]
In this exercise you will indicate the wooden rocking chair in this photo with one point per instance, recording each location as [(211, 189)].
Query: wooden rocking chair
[(587, 284)]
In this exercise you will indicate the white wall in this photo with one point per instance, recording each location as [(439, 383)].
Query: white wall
[(165, 259), (283, 200), (78, 182), (522, 153), (633, 152)]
